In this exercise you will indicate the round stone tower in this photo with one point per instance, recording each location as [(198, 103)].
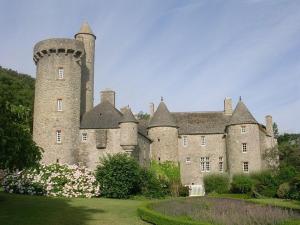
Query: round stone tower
[(162, 130), (129, 131), (57, 98), (243, 142), (86, 36)]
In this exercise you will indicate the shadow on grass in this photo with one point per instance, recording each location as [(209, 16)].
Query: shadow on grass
[(35, 210)]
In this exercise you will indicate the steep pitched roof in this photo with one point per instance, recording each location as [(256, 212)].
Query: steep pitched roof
[(128, 116), (201, 122), (241, 115), (85, 29), (162, 117), (103, 116)]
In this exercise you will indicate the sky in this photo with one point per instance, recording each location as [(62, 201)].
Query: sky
[(194, 53)]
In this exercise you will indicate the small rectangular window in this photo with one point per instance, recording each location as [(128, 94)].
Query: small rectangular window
[(184, 141), (202, 164), (58, 136), (221, 164), (203, 140), (244, 147), (84, 137), (243, 129), (60, 73), (59, 105), (246, 166), (188, 160)]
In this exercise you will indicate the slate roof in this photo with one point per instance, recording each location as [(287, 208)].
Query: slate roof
[(102, 116), (201, 122), (241, 115), (128, 116), (162, 117)]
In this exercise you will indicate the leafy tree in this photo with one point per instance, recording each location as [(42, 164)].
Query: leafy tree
[(17, 149), (275, 130), (141, 115)]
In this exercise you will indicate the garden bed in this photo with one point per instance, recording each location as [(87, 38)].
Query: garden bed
[(220, 211)]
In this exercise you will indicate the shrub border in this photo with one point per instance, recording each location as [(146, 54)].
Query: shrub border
[(151, 216), (154, 217)]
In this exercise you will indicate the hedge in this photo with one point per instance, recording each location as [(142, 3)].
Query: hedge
[(157, 218)]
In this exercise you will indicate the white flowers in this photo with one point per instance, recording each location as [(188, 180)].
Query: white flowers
[(54, 180)]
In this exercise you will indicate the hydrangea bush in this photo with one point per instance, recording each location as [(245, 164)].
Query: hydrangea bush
[(53, 180)]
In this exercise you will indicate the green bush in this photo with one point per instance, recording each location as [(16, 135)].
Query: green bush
[(151, 186), (118, 175), (286, 174), (241, 184), (265, 183), (283, 190), (295, 188), (218, 183), (184, 191)]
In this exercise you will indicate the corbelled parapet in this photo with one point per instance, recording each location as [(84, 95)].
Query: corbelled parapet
[(58, 46)]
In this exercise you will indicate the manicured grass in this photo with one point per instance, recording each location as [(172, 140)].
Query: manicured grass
[(36, 210)]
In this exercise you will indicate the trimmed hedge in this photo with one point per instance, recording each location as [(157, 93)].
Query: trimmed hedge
[(218, 183), (156, 218), (241, 184)]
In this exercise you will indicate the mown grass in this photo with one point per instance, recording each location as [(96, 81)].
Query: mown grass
[(36, 210)]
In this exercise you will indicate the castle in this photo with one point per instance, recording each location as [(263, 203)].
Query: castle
[(71, 130)]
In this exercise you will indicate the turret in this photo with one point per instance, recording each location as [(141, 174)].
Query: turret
[(243, 142), (129, 131), (57, 99), (162, 130), (86, 36)]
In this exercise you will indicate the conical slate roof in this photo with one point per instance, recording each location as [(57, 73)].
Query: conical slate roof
[(85, 29), (162, 117), (241, 115), (128, 116), (103, 116)]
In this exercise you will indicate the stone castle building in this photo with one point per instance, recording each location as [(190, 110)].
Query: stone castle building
[(71, 130)]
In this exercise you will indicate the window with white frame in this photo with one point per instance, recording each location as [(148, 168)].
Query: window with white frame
[(221, 164), (244, 147), (58, 136), (204, 164), (243, 129), (84, 137), (203, 140), (184, 141), (59, 105), (246, 167), (188, 160), (60, 73)]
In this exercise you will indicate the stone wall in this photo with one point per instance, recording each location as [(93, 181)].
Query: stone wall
[(165, 145), (214, 148)]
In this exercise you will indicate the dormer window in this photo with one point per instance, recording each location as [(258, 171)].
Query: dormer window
[(60, 73)]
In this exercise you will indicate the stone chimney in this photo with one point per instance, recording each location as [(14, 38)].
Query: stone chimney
[(108, 95), (151, 109), (269, 125), (228, 106)]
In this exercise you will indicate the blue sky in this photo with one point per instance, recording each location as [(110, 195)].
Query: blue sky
[(194, 53)]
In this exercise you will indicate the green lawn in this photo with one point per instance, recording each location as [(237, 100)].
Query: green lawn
[(35, 210)]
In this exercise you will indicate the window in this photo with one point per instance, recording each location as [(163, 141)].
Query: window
[(184, 141), (243, 129), (188, 160), (60, 73), (59, 104), (221, 167), (246, 166), (244, 147), (203, 140), (58, 136), (84, 137), (204, 164)]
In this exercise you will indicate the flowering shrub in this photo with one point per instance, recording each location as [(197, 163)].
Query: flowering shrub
[(53, 180)]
